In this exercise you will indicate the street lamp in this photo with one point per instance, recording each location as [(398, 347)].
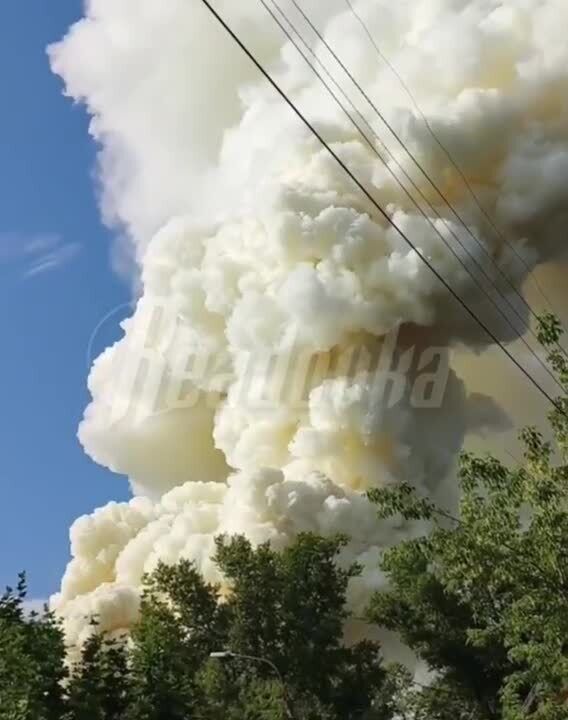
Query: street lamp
[(228, 655)]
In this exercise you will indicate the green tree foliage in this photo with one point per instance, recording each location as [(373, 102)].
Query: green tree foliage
[(285, 612), (483, 597), (297, 623), (181, 622), (284, 616), (31, 661), (100, 687)]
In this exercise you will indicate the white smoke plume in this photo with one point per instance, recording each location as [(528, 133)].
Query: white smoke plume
[(248, 394)]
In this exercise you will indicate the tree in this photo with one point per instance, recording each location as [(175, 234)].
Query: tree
[(32, 667), (483, 598), (285, 610), (181, 622), (100, 687), (297, 621)]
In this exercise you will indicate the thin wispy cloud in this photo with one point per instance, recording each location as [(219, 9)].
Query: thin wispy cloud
[(33, 255)]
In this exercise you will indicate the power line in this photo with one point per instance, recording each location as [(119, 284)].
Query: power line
[(417, 163), (368, 195), (446, 152), (545, 367)]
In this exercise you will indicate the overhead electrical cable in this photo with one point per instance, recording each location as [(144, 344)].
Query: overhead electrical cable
[(257, 63), (371, 145), (416, 162), (447, 153)]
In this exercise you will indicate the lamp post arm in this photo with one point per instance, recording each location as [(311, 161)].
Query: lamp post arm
[(286, 699)]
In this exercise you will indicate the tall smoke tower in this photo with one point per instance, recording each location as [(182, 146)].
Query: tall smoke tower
[(289, 350)]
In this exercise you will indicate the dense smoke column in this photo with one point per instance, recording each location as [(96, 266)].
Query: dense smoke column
[(288, 350)]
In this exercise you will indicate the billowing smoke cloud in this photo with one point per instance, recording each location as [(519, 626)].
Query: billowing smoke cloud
[(289, 350)]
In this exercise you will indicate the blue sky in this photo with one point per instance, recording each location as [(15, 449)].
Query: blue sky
[(56, 283)]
